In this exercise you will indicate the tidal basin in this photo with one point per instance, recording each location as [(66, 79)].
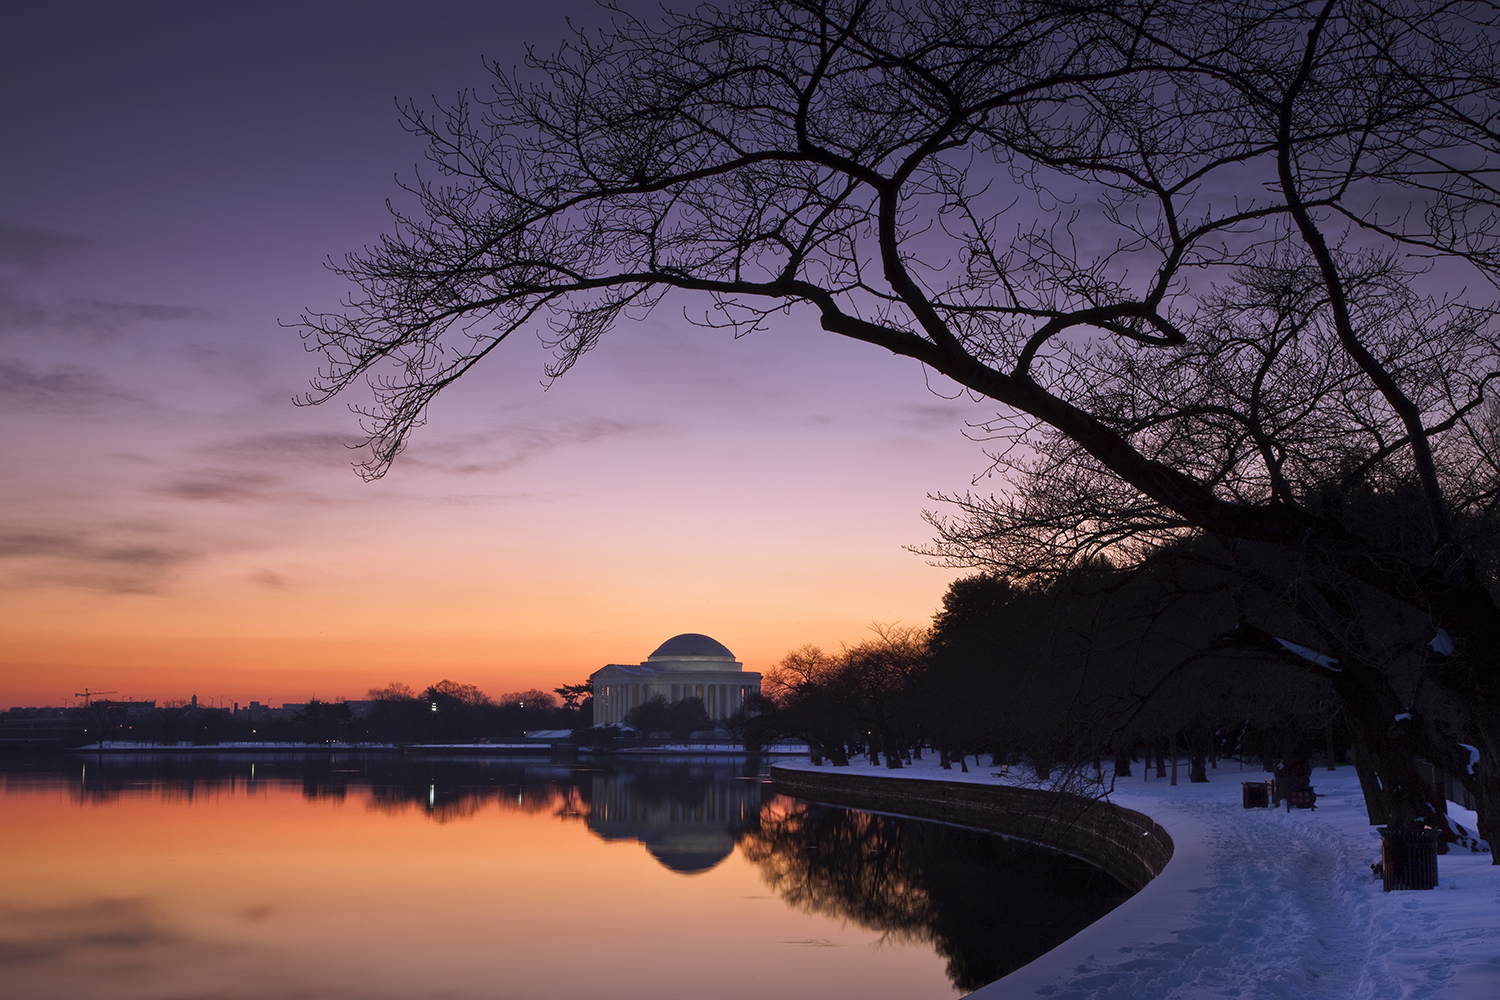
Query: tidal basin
[(326, 875)]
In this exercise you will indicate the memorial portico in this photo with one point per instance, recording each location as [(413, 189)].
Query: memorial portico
[(685, 666)]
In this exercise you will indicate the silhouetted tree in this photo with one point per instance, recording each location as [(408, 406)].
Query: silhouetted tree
[(659, 715), (1075, 209), (323, 721), (394, 691), (575, 695), (1100, 659), (858, 700)]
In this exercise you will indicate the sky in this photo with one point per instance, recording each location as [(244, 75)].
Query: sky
[(175, 177)]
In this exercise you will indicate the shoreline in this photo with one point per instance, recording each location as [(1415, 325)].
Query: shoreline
[(1251, 902), (1128, 844), (473, 749)]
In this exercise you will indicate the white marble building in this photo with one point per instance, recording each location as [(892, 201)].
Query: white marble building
[(685, 666)]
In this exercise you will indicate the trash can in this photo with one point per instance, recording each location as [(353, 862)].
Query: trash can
[(1257, 794), (1408, 857), (1301, 798)]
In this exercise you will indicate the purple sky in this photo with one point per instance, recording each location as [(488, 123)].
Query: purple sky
[(175, 176)]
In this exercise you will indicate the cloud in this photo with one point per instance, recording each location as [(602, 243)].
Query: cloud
[(66, 389), (128, 564), (28, 254), (289, 448), (221, 486), (37, 248), (492, 499), (101, 929), (933, 417), (518, 444), (24, 313)]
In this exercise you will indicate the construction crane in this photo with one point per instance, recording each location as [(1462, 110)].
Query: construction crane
[(86, 694)]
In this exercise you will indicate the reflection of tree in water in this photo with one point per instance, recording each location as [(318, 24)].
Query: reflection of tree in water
[(444, 789), (985, 903), (681, 810)]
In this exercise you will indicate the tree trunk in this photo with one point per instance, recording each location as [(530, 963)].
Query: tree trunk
[(1199, 738), (1369, 783), (1389, 735), (1122, 762), (1466, 608)]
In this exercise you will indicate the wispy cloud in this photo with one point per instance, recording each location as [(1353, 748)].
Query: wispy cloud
[(87, 931), (515, 444), (27, 255), (124, 561), (22, 313), (222, 486), (935, 417), (289, 447), (37, 248), (65, 389)]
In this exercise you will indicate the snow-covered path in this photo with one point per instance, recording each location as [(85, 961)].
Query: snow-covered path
[(1263, 905)]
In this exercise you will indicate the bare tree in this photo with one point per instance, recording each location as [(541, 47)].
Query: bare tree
[(1034, 198), (532, 699)]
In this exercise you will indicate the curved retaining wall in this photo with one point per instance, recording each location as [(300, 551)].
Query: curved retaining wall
[(1127, 844)]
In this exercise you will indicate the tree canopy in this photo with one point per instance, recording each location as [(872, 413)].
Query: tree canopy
[(1227, 267)]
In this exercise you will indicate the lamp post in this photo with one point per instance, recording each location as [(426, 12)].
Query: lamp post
[(434, 722)]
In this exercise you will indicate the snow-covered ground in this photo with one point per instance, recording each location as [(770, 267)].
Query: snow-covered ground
[(725, 749), (1261, 903)]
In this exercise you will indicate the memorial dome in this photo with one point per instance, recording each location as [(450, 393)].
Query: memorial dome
[(691, 644)]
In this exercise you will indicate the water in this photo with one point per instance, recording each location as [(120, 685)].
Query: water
[(339, 876)]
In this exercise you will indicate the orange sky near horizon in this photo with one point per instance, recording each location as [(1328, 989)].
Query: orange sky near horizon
[(324, 586)]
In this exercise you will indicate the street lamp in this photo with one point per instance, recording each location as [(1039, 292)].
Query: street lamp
[(434, 722)]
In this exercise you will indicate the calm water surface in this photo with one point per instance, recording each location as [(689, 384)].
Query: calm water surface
[(340, 876)]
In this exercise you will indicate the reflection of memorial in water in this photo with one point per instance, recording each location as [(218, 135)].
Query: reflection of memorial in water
[(688, 815), (987, 904)]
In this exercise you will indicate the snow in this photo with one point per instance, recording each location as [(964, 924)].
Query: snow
[(1473, 757), (1262, 904), (1321, 659), (723, 749)]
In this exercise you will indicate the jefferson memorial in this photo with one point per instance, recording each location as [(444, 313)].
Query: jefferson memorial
[(685, 666)]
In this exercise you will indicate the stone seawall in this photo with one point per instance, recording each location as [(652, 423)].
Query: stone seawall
[(1127, 844)]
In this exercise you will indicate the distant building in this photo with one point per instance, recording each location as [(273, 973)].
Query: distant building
[(45, 725), (134, 710), (255, 712), (685, 666)]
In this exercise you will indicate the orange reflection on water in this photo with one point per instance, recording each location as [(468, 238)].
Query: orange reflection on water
[(273, 889)]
